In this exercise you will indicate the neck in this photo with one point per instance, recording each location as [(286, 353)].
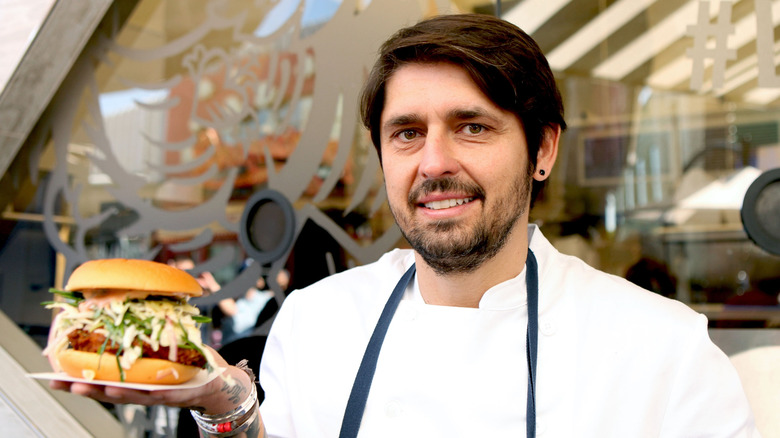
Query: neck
[(466, 289)]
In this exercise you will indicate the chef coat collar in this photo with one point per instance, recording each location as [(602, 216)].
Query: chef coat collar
[(507, 295)]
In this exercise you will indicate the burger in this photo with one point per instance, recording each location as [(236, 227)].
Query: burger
[(127, 320)]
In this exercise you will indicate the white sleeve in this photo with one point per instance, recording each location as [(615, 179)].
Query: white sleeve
[(707, 399), (274, 379)]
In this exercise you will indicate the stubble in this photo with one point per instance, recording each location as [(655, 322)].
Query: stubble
[(453, 246)]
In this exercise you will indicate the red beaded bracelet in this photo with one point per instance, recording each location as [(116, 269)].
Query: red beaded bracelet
[(237, 419)]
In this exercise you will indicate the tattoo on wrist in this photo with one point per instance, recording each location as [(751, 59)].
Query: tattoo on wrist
[(235, 392), (254, 429)]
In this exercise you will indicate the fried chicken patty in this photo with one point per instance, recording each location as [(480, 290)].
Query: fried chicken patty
[(83, 340)]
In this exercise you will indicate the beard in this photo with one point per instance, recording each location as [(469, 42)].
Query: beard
[(449, 246)]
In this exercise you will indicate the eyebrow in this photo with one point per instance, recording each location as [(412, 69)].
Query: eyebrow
[(402, 120), (455, 114), (468, 114)]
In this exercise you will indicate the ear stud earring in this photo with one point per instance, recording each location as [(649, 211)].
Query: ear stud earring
[(541, 172)]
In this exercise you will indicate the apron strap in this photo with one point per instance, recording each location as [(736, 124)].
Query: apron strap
[(357, 398), (356, 405), (532, 337)]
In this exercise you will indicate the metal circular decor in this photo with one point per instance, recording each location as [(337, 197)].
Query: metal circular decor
[(761, 211), (267, 226)]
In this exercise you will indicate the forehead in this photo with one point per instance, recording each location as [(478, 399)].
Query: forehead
[(420, 87)]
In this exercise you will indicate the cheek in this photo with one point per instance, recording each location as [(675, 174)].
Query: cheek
[(503, 164), (495, 177), (394, 187), (398, 178)]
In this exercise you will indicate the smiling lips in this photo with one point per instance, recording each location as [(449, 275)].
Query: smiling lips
[(444, 193), (446, 203)]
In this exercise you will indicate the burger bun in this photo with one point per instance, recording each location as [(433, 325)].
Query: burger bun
[(94, 366), (133, 274)]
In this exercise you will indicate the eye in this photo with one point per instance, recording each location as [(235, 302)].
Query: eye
[(473, 128), (408, 134)]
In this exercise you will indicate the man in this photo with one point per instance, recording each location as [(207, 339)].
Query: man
[(483, 329)]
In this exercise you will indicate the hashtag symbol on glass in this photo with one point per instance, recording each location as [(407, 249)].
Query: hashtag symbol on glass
[(702, 52)]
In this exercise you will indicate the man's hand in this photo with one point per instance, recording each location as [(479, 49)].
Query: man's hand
[(216, 397), (183, 398)]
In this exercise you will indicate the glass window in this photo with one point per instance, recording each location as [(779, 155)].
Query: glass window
[(223, 136)]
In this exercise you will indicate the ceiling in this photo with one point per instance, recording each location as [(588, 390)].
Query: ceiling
[(652, 42), (19, 23)]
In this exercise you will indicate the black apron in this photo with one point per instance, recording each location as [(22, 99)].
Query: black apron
[(357, 398)]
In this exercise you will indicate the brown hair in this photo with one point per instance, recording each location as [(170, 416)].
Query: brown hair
[(502, 60)]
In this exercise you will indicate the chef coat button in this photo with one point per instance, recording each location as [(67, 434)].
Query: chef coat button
[(393, 409), (547, 328)]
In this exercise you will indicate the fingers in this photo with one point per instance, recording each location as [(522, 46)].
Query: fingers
[(108, 394), (118, 395), (96, 392), (211, 395), (59, 385), (131, 396), (219, 359)]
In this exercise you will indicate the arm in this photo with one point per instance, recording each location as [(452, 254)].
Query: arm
[(208, 282), (708, 399), (228, 307), (215, 398)]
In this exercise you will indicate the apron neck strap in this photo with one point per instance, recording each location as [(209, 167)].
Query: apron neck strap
[(356, 404)]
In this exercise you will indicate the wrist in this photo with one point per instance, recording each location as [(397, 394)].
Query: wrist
[(238, 420), (225, 393)]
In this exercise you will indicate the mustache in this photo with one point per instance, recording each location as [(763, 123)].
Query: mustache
[(444, 185)]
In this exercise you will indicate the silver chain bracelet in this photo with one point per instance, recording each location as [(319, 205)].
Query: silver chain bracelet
[(235, 421)]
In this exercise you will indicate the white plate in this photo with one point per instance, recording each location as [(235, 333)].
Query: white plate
[(203, 377)]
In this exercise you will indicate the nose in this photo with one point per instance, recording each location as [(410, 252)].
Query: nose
[(438, 157)]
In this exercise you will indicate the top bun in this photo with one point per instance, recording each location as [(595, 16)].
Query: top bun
[(133, 274)]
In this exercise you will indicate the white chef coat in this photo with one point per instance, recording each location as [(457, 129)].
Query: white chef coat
[(614, 360)]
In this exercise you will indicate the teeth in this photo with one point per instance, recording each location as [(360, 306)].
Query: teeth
[(446, 203)]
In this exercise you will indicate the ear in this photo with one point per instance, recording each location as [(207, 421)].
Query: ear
[(548, 152)]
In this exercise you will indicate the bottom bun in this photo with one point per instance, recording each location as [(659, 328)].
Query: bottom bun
[(93, 366)]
